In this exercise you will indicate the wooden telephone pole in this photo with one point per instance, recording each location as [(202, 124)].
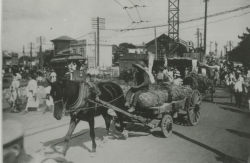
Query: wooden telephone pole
[(156, 48), (198, 37), (98, 24), (205, 27)]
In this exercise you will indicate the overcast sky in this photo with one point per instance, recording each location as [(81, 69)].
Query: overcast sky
[(25, 20)]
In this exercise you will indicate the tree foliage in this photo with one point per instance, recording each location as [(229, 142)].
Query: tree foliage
[(241, 53)]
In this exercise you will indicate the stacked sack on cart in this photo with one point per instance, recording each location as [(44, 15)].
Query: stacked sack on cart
[(198, 81), (164, 93)]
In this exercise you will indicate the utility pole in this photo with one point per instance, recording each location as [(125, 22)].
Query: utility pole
[(221, 55), (41, 55), (225, 47), (198, 37), (201, 40), (95, 48), (98, 24), (98, 41), (23, 54), (230, 45), (156, 48), (216, 44), (31, 55), (205, 27), (210, 45)]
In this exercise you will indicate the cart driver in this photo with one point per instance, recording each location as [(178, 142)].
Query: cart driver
[(142, 83)]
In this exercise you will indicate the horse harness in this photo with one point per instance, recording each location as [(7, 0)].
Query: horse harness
[(79, 104)]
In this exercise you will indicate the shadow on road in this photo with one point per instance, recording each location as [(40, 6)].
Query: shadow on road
[(222, 156), (83, 136), (234, 110), (239, 133)]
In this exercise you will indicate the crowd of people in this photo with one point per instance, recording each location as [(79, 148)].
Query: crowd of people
[(39, 78), (35, 79), (237, 81)]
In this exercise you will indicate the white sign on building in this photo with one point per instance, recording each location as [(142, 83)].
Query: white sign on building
[(105, 51)]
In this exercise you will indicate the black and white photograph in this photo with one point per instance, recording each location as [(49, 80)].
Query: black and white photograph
[(125, 81)]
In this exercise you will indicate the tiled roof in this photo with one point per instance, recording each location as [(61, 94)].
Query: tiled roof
[(6, 55), (64, 38)]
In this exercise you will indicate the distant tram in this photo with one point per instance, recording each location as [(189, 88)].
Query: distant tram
[(60, 64)]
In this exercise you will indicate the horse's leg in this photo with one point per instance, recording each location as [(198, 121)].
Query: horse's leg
[(72, 126), (107, 119), (92, 133)]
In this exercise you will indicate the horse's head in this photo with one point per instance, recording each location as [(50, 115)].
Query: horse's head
[(57, 95)]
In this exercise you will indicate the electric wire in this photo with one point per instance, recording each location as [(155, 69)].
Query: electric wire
[(190, 26), (190, 20)]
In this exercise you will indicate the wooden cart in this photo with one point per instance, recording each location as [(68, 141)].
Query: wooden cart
[(161, 117)]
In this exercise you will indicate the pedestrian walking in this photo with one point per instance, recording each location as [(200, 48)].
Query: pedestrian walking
[(31, 93), (216, 76), (15, 93), (238, 88)]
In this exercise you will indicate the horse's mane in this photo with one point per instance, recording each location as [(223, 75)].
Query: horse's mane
[(70, 90)]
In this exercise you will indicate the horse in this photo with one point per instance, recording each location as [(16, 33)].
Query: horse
[(68, 91)]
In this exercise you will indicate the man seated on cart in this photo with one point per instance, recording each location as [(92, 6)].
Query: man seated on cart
[(142, 81)]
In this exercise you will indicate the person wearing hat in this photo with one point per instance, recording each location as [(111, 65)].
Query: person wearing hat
[(238, 88), (178, 81), (31, 92), (160, 76), (142, 83), (167, 76), (14, 147)]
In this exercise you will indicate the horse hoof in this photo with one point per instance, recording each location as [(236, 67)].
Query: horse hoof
[(125, 134), (93, 154), (105, 139)]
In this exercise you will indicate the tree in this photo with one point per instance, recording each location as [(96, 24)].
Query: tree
[(126, 46), (241, 53)]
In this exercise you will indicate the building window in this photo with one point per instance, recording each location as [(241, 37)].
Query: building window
[(82, 50)]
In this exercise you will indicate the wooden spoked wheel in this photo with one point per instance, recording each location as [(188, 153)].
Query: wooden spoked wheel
[(167, 125), (193, 107)]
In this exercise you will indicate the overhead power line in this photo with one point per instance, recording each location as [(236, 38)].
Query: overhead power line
[(191, 26), (195, 19)]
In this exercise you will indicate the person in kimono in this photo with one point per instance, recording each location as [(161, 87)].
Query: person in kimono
[(31, 92), (15, 94)]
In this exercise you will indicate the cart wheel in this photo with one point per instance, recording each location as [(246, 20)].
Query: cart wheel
[(193, 108), (167, 125)]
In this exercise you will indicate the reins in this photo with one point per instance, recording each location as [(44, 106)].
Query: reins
[(100, 105), (77, 109)]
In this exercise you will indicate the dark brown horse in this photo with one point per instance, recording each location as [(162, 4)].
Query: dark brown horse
[(68, 91)]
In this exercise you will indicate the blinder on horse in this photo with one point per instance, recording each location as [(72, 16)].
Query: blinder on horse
[(80, 102)]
